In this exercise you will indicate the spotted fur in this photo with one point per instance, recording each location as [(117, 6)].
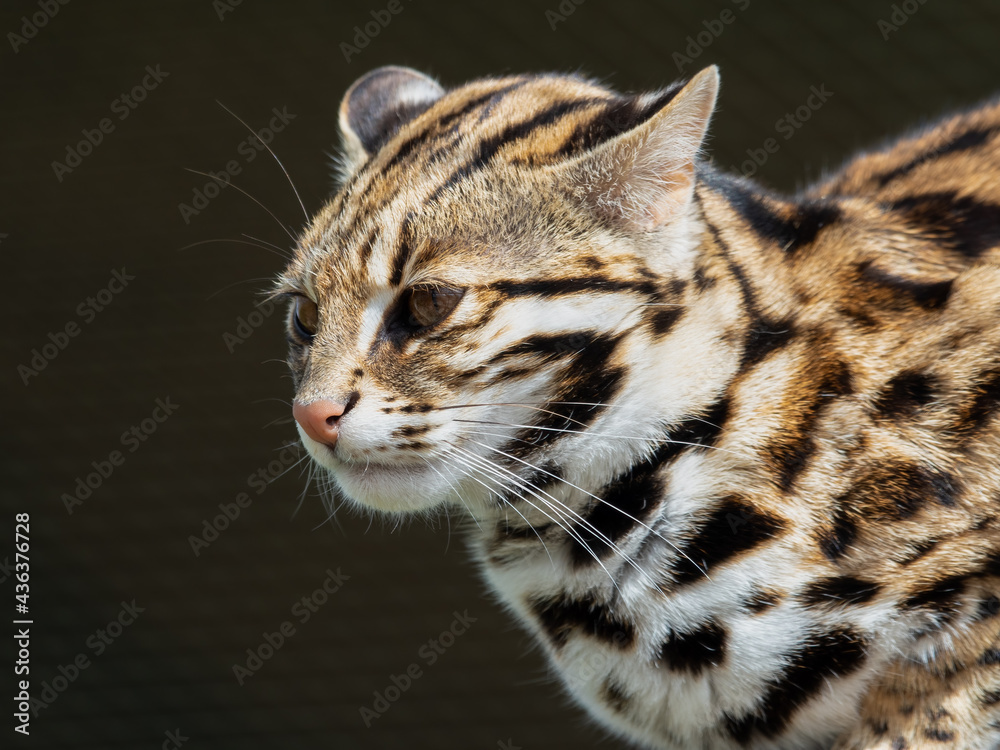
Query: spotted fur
[(733, 456)]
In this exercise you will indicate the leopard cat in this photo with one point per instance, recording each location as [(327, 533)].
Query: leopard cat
[(733, 457)]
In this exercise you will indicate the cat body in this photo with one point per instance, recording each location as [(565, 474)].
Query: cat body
[(732, 457)]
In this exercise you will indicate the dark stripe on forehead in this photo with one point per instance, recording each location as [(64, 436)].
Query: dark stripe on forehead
[(561, 287), (489, 147), (746, 290), (401, 253), (421, 137), (368, 173)]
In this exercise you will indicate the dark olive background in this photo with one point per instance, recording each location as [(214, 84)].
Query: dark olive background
[(163, 336)]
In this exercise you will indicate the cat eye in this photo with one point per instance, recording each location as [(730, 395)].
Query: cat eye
[(305, 318), (431, 304)]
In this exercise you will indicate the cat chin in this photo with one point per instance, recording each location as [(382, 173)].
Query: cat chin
[(389, 489), (382, 487)]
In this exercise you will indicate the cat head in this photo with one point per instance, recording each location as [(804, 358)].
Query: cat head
[(477, 301)]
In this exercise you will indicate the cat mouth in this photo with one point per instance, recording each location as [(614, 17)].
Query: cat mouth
[(379, 485)]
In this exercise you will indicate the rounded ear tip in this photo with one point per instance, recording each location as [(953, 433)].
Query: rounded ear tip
[(378, 103), (385, 72), (382, 82)]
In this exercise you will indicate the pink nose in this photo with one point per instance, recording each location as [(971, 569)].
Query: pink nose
[(320, 420)]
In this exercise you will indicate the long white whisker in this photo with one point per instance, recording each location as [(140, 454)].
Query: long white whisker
[(263, 242), (605, 435), (287, 176), (236, 187), (528, 405), (595, 497), (570, 512), (462, 468), (457, 493), (492, 472)]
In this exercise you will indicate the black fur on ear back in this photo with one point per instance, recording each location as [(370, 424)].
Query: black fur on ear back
[(377, 105)]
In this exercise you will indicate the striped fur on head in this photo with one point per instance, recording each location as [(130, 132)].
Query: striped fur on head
[(560, 210)]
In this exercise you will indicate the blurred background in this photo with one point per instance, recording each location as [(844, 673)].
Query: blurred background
[(178, 562)]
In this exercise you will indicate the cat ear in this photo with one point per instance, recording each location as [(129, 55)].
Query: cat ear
[(377, 105), (644, 176)]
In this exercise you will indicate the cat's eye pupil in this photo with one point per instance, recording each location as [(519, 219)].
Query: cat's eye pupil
[(429, 305), (306, 317)]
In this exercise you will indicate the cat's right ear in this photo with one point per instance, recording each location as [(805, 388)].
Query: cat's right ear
[(377, 105)]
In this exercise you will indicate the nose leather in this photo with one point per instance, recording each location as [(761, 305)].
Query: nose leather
[(320, 420)]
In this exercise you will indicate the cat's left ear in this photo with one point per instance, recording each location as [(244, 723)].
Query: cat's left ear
[(377, 105), (642, 178)]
